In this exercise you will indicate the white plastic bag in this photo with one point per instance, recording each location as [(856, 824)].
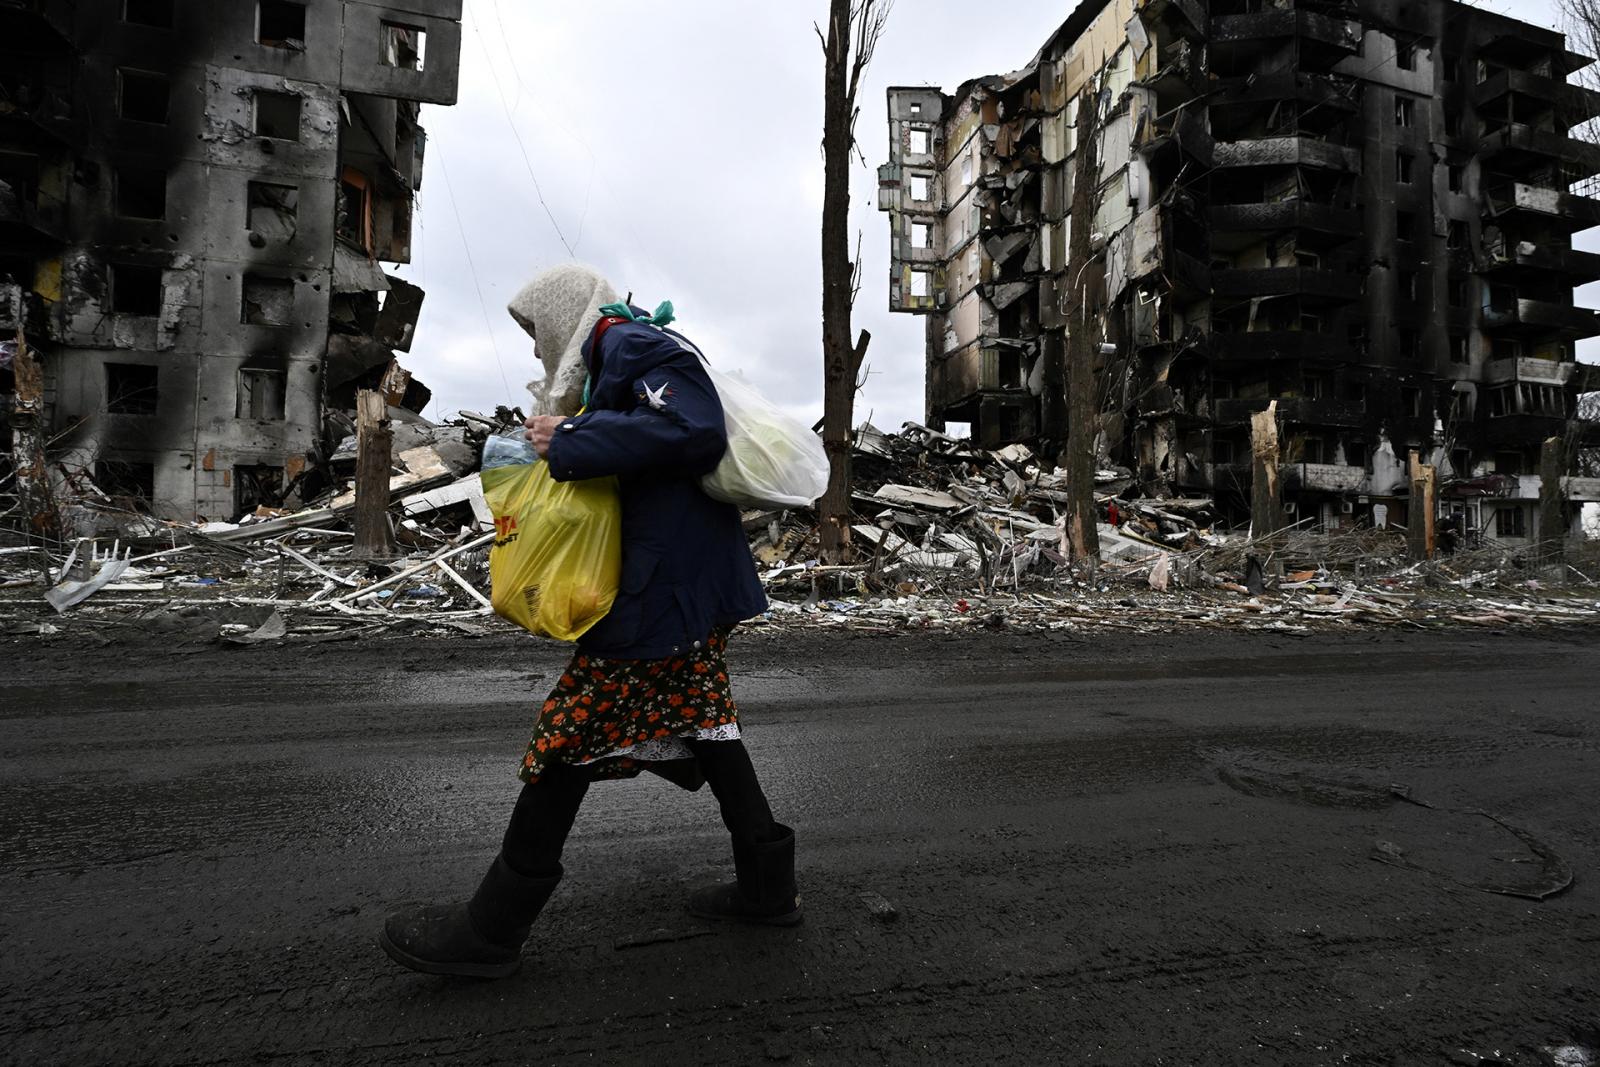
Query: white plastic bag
[(773, 460)]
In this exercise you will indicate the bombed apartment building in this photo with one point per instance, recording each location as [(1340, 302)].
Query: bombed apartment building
[(196, 199), (1359, 210)]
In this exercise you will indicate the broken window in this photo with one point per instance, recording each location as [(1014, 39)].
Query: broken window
[(1408, 285), (1454, 177), (1509, 522), (1356, 391), (1405, 111), (1452, 124), (1404, 167), (1458, 348), (261, 394), (255, 486), (129, 484), (1405, 225), (918, 141), (1502, 401), (281, 24), (273, 210), (267, 301), (1315, 386), (1405, 55), (1410, 400), (131, 389), (1355, 453), (1452, 69), (921, 283), (354, 221), (1408, 344), (920, 188), (1312, 451), (277, 115), (139, 193), (916, 108), (157, 13), (142, 96), (135, 290), (921, 235), (1458, 293), (402, 46), (1456, 234)]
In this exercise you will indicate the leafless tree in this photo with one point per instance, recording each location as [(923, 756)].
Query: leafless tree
[(854, 28)]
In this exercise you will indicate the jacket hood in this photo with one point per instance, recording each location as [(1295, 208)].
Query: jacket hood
[(559, 309)]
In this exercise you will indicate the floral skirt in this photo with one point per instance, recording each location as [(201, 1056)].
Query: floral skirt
[(618, 717)]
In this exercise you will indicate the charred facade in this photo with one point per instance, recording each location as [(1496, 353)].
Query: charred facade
[(1360, 210), (195, 202)]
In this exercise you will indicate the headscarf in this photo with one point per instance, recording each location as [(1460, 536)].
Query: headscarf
[(559, 308)]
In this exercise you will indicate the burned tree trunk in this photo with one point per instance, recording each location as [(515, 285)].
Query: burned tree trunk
[(35, 500), (1421, 532), (374, 440), (1083, 533), (854, 27), (1266, 494), (1552, 509)]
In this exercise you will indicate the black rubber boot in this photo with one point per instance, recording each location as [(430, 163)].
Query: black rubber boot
[(479, 939), (765, 891)]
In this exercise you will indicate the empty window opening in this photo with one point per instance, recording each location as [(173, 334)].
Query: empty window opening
[(277, 115), (142, 96), (131, 389), (1458, 293), (1452, 124), (918, 141), (1452, 69), (1404, 167), (1458, 348), (921, 235), (1410, 400), (261, 394), (1405, 111), (1456, 234), (1408, 343), (1408, 285), (921, 188), (1356, 391), (921, 283), (135, 290), (1405, 225), (354, 219), (1355, 453), (267, 301), (281, 24), (273, 210), (157, 13), (1454, 177), (1405, 55), (256, 486), (130, 485), (1510, 522), (916, 108), (403, 46), (140, 194)]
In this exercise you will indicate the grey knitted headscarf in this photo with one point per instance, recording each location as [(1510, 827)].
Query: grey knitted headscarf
[(559, 309)]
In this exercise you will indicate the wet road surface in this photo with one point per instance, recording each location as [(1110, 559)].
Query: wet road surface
[(1154, 850)]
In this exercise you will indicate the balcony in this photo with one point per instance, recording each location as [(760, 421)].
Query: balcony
[(1180, 73), (1526, 369), (1186, 17), (1573, 103), (1323, 39), (1517, 145), (1323, 477), (1259, 346), (1294, 151), (1305, 410), (1532, 317), (40, 220), (1521, 259), (1334, 98), (1316, 282), (1302, 215), (1511, 200)]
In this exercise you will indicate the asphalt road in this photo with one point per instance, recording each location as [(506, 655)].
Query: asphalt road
[(1202, 849)]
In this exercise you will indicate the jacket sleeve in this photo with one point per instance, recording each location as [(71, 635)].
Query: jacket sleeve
[(676, 427)]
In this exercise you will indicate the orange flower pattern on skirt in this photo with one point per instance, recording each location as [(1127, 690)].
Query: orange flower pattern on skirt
[(601, 707)]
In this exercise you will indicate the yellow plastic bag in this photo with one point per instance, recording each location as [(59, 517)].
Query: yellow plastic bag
[(557, 554)]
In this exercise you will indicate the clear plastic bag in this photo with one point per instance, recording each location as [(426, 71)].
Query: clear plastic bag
[(773, 460), (556, 561)]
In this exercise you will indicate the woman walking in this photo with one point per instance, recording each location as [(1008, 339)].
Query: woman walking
[(648, 688)]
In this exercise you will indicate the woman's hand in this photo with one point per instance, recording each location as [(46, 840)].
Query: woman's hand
[(539, 429)]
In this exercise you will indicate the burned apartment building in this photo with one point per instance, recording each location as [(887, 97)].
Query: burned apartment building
[(195, 200), (1359, 209)]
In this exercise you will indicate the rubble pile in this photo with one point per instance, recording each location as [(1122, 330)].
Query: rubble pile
[(947, 536)]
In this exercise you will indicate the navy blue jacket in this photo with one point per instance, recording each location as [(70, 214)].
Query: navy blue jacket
[(655, 421)]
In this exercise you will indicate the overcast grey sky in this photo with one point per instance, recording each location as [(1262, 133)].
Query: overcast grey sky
[(676, 147)]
